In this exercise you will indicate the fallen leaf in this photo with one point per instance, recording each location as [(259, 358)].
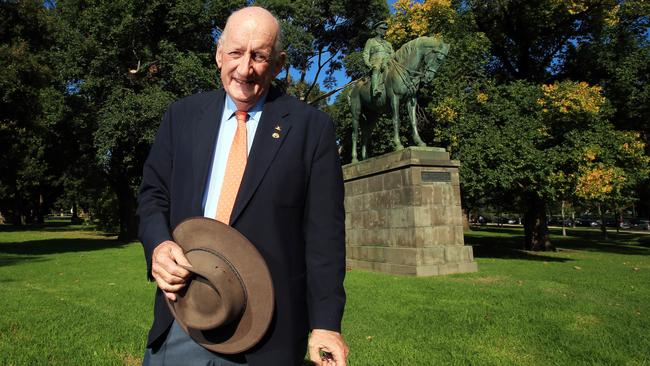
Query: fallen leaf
[(369, 338), (637, 269), (577, 267)]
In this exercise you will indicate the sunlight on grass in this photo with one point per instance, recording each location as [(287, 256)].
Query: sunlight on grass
[(79, 297)]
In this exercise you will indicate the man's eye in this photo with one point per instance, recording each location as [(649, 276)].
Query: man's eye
[(258, 57), (234, 54)]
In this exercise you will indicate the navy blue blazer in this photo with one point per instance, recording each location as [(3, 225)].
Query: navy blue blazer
[(290, 206)]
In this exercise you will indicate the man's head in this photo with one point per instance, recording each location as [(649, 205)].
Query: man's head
[(380, 28), (249, 55)]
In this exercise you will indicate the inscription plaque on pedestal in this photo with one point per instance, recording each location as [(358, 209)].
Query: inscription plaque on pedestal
[(403, 214)]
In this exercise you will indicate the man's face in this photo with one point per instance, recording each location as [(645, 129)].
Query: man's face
[(381, 30), (245, 57)]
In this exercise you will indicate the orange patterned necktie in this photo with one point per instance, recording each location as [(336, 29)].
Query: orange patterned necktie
[(234, 170)]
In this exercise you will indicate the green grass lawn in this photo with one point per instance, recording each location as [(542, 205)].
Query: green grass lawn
[(73, 296)]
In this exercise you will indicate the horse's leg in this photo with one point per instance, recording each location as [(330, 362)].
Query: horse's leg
[(355, 136), (355, 109), (394, 103), (411, 105), (364, 144), (367, 132)]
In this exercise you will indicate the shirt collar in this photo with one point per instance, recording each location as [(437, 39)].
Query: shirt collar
[(254, 113)]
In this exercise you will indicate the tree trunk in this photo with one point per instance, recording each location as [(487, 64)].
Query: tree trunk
[(75, 213), (535, 227), (603, 227), (18, 218), (465, 219), (563, 220), (128, 220), (39, 214)]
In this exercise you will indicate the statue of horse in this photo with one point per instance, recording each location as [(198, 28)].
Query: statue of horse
[(415, 61)]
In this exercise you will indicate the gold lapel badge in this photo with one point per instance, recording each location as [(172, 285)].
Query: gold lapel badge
[(276, 134)]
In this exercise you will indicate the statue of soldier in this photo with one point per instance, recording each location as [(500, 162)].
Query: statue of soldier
[(376, 55)]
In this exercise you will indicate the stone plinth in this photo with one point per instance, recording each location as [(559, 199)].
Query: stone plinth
[(403, 214)]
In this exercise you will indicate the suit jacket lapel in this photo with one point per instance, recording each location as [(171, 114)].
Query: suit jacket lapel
[(204, 139), (266, 144)]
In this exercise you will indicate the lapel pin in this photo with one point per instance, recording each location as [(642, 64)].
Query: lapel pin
[(278, 128), (276, 135)]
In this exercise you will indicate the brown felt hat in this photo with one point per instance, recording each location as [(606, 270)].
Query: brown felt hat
[(228, 303)]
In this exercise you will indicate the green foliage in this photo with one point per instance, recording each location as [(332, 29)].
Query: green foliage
[(319, 34), (123, 62), (619, 60), (528, 38), (24, 83)]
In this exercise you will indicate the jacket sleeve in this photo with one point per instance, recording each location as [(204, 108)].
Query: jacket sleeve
[(154, 196), (325, 235)]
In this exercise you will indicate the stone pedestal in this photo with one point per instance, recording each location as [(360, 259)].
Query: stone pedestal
[(403, 214)]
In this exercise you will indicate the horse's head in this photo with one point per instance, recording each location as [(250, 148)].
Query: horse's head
[(434, 56)]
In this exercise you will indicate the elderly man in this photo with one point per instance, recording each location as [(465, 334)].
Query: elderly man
[(267, 165), (376, 54)]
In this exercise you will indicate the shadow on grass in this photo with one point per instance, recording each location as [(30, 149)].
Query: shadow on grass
[(48, 226), (36, 250), (627, 243), (507, 242), (503, 243)]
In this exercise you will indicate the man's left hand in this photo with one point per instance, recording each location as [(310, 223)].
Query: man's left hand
[(331, 343)]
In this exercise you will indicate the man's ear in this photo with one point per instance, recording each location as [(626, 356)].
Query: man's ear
[(218, 56), (279, 63)]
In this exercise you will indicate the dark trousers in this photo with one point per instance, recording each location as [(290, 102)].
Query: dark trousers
[(179, 349)]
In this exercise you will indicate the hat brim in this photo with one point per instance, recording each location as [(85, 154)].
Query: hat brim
[(238, 336)]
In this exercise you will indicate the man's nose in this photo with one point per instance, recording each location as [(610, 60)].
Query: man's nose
[(245, 66)]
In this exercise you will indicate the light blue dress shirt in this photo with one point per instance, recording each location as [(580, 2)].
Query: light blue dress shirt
[(225, 137)]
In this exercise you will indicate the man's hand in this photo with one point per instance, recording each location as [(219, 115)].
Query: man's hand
[(165, 268), (333, 346)]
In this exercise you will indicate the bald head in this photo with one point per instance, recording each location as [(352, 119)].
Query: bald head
[(249, 55), (254, 18)]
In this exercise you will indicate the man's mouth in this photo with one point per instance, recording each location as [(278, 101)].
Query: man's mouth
[(243, 81)]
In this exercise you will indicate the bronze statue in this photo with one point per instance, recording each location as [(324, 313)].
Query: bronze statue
[(376, 55), (415, 61)]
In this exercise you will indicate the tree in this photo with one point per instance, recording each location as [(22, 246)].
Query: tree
[(25, 77), (619, 60), (123, 62), (609, 172), (530, 143), (319, 34), (530, 38)]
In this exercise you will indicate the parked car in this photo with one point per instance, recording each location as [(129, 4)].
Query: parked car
[(640, 224)]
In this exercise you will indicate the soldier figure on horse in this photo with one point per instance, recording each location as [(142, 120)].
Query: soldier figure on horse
[(376, 55)]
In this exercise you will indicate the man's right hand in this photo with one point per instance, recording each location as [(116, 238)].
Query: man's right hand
[(166, 270)]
